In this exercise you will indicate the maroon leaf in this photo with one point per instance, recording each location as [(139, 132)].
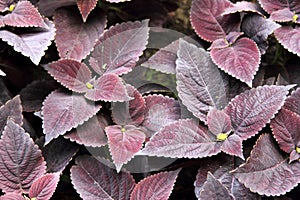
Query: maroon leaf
[(108, 87), (124, 142), (12, 196), (47, 8), (21, 159), (44, 186), (267, 171), (240, 59), (199, 82), (184, 138), (243, 6), (71, 74), (289, 37), (4, 5), (157, 186), (119, 48), (284, 15), (207, 20), (273, 5), (75, 39), (93, 180), (130, 112), (62, 112), (292, 103), (86, 7), (252, 110), (218, 122), (160, 111), (117, 1), (233, 146), (91, 133), (31, 45)]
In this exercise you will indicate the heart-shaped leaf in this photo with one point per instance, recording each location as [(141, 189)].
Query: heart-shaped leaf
[(21, 159), (273, 5), (62, 112), (240, 59), (161, 185), (75, 39), (11, 196), (124, 142), (199, 83), (207, 20), (44, 186), (119, 48), (218, 122), (267, 168), (86, 7), (289, 37), (93, 180)]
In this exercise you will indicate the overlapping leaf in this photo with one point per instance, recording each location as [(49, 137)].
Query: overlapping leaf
[(86, 7), (292, 103), (124, 142), (289, 37), (158, 186), (62, 112), (199, 82), (4, 5), (218, 122), (74, 38), (12, 196), (284, 15), (207, 20), (47, 8), (117, 1), (32, 44), (267, 171), (44, 186), (93, 180), (119, 48), (243, 6), (274, 5), (21, 159)]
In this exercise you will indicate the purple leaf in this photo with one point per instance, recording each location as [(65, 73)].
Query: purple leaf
[(183, 139), (273, 5), (207, 20), (12, 196), (24, 15), (289, 37), (267, 171), (91, 133), (214, 189), (124, 142), (86, 7), (108, 87), (62, 112), (244, 6), (292, 103), (160, 111), (47, 7), (21, 159), (71, 74), (240, 59), (130, 112), (283, 15), (258, 28), (4, 5), (218, 121), (31, 45), (119, 48), (199, 82), (233, 146), (157, 186), (93, 180), (252, 110), (75, 39), (44, 187), (117, 1), (11, 110)]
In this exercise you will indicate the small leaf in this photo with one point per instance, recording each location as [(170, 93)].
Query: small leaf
[(218, 122), (124, 142), (4, 5), (241, 59), (161, 186), (119, 48), (244, 6), (62, 112), (267, 171), (21, 159), (12, 196), (44, 186), (75, 39), (86, 7), (283, 15), (289, 37), (273, 5), (292, 103), (93, 180), (233, 146)]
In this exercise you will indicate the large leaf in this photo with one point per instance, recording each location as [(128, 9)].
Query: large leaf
[(21, 159), (243, 6), (119, 48), (62, 112), (75, 39), (292, 103), (124, 142), (183, 139), (289, 37), (93, 180), (32, 44), (240, 59), (86, 7), (207, 20), (11, 196), (158, 186), (47, 8), (11, 110), (44, 186), (273, 5), (267, 171), (199, 82)]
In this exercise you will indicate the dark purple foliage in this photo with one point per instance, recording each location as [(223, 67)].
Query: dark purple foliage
[(86, 7)]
